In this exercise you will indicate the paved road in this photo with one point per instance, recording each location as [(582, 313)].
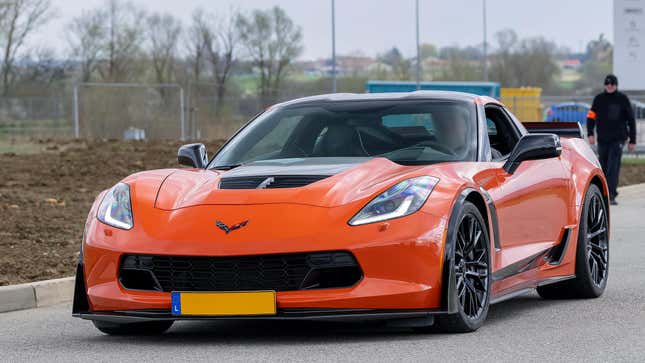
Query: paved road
[(526, 328)]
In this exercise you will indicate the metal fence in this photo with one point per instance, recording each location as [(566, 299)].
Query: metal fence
[(118, 111), (35, 117), (130, 111)]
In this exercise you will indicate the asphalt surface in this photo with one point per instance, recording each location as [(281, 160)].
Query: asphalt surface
[(611, 328)]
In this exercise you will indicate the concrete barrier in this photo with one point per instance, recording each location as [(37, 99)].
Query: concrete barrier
[(36, 294)]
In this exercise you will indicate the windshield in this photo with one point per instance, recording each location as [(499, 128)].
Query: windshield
[(406, 132)]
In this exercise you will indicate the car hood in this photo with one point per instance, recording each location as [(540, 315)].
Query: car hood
[(339, 181)]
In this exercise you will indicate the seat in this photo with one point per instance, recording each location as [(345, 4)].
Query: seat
[(495, 153), (339, 140)]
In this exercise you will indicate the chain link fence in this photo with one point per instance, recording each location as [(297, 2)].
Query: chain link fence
[(35, 117), (129, 111), (195, 112)]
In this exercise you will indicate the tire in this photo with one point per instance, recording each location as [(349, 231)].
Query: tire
[(147, 328), (472, 276), (592, 254)]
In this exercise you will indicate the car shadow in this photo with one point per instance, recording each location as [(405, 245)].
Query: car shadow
[(249, 332)]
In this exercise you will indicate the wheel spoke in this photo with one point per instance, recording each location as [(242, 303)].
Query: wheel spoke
[(476, 302), (594, 270), (599, 257), (476, 274), (477, 264), (599, 218), (461, 286), (472, 303), (470, 243), (598, 246), (596, 233)]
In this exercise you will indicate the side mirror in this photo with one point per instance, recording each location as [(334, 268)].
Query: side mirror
[(193, 155), (533, 147)]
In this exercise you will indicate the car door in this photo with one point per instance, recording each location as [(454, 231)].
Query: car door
[(531, 203)]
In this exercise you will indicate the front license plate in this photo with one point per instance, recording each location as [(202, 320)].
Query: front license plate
[(224, 303)]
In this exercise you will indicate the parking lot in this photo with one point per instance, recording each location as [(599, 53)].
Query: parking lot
[(523, 329)]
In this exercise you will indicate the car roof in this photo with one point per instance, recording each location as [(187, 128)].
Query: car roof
[(389, 96)]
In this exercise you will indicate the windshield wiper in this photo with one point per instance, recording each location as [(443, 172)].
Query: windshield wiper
[(226, 167)]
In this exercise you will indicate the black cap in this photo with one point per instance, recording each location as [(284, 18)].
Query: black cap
[(611, 79)]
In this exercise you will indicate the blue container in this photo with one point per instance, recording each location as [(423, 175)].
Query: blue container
[(479, 88)]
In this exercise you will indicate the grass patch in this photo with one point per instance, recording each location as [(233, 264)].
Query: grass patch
[(633, 160)]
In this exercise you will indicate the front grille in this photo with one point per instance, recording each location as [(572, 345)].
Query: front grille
[(269, 181), (278, 272)]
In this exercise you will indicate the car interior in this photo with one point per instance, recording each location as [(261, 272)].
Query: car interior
[(352, 135), (401, 136), (502, 135)]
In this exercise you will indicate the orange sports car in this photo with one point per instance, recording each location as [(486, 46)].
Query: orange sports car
[(419, 208)]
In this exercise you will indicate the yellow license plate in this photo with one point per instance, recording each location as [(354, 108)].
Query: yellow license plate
[(224, 303)]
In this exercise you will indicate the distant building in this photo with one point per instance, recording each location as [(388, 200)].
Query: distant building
[(345, 66), (572, 64)]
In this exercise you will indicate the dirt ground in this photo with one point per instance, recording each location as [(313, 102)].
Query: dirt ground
[(45, 197)]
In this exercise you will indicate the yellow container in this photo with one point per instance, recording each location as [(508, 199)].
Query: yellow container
[(524, 102)]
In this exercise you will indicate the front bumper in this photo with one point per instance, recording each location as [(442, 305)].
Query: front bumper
[(401, 261)]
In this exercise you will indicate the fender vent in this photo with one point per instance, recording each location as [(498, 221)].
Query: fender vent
[(556, 253), (269, 181)]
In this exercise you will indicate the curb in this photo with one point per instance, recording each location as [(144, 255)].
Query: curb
[(632, 189), (36, 294)]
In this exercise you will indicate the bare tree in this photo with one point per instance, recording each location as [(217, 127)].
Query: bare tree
[(18, 19), (220, 43), (272, 41), (524, 62), (195, 44), (108, 40), (163, 33), (502, 60), (86, 35), (124, 37), (43, 67)]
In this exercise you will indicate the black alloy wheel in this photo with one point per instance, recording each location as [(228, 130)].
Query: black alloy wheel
[(471, 274), (471, 267), (597, 244)]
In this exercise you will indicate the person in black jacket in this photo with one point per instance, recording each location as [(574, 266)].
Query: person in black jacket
[(612, 119)]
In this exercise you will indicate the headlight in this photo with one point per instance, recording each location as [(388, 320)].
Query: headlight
[(401, 200), (115, 209)]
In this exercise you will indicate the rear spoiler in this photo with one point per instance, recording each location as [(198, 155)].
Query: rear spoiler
[(562, 129)]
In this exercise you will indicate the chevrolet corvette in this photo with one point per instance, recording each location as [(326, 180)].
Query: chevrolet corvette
[(420, 209)]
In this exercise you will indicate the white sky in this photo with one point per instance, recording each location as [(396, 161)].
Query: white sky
[(373, 26)]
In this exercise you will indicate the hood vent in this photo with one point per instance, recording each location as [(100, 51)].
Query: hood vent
[(269, 181)]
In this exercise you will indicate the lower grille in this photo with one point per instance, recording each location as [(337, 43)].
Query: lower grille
[(278, 272)]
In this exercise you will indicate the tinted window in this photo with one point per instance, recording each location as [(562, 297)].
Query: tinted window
[(407, 132)]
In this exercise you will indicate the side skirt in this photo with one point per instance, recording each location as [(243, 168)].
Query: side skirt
[(509, 294), (552, 255)]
